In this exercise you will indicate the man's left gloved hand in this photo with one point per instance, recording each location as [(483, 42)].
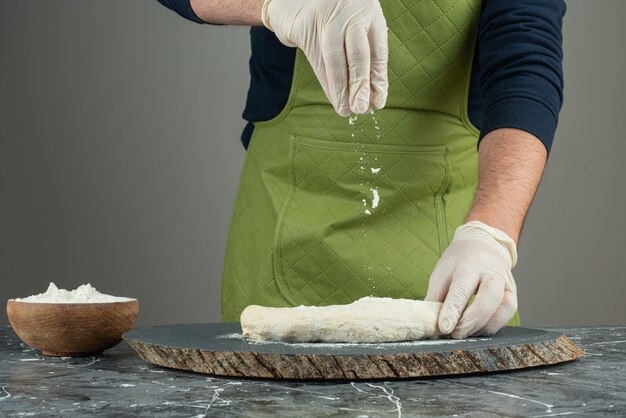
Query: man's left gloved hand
[(346, 43), (478, 261)]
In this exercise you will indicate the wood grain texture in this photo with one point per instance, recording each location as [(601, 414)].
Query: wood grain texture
[(72, 329), (553, 349)]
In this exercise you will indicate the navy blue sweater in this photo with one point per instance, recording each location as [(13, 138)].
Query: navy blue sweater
[(517, 76)]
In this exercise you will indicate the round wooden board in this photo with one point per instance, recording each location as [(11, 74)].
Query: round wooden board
[(219, 349)]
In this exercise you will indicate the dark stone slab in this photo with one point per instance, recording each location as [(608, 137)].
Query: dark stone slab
[(118, 383), (219, 349)]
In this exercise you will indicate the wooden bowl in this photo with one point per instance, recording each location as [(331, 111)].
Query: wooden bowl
[(72, 329)]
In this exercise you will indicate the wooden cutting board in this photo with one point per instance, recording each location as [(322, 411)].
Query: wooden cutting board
[(219, 349)]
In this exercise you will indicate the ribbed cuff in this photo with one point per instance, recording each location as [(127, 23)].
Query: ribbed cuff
[(521, 113), (183, 8)]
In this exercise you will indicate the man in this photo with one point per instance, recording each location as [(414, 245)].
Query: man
[(466, 97)]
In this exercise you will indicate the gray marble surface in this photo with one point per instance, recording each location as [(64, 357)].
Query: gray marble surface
[(118, 383)]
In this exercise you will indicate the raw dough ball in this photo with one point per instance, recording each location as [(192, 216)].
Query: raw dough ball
[(368, 320)]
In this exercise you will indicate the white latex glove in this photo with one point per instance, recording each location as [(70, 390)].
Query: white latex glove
[(345, 42), (478, 261)]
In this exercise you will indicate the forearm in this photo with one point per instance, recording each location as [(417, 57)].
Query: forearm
[(229, 12), (511, 163)]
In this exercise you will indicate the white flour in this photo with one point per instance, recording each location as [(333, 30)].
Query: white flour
[(398, 344), (82, 294)]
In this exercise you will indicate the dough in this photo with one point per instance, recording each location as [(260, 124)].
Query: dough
[(368, 320)]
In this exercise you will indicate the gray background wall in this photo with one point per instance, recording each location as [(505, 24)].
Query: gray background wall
[(119, 159)]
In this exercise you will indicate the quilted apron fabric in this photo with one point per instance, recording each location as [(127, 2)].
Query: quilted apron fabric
[(328, 211)]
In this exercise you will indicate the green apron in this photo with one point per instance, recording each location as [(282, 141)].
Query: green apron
[(328, 211)]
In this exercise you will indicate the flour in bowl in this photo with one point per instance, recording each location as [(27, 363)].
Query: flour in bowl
[(82, 294)]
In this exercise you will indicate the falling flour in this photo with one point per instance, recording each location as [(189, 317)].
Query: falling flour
[(82, 294), (370, 174)]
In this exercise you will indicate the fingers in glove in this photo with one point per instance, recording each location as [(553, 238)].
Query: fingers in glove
[(358, 54), (439, 282), (502, 316), (379, 58), (336, 67), (462, 286), (317, 64), (488, 299)]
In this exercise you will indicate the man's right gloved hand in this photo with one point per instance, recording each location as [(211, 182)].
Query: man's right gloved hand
[(345, 42)]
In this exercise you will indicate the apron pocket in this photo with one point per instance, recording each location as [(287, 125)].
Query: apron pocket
[(360, 219)]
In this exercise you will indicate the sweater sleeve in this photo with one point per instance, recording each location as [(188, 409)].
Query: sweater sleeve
[(520, 62), (183, 8)]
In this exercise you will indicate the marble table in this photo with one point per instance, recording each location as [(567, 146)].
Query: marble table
[(120, 384)]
